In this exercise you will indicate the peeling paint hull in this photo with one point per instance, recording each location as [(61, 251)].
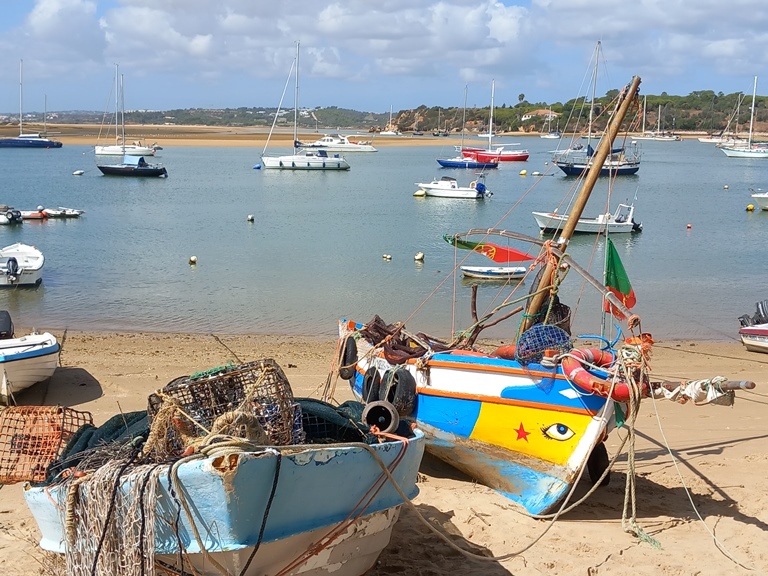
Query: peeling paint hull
[(318, 489), (524, 431)]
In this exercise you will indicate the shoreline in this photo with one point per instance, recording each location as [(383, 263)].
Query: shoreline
[(229, 136), (110, 372)]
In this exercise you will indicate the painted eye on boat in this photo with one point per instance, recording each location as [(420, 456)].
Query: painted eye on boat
[(558, 432)]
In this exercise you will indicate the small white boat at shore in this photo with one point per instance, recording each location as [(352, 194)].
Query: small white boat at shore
[(622, 220), (21, 265), (24, 361)]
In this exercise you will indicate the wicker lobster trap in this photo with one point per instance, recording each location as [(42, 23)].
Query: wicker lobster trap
[(31, 437), (259, 389)]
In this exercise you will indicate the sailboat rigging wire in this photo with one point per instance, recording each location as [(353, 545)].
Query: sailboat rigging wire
[(277, 112)]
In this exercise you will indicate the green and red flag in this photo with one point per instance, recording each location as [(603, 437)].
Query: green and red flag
[(617, 281), (492, 251)]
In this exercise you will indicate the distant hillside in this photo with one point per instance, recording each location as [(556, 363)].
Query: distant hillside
[(701, 111)]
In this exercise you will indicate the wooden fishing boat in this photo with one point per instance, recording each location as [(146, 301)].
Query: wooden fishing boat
[(225, 473), (527, 418)]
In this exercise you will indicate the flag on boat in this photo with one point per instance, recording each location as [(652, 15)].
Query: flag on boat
[(617, 281), (492, 251)]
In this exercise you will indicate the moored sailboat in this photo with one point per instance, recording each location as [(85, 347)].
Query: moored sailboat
[(301, 158), (751, 150)]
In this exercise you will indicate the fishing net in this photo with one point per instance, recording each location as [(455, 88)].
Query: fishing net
[(235, 400), (31, 437), (110, 530)]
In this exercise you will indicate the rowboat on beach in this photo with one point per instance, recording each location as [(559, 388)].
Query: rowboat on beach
[(24, 360), (529, 416), (225, 473)]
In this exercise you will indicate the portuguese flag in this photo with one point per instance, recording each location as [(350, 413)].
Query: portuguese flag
[(617, 281), (492, 251)]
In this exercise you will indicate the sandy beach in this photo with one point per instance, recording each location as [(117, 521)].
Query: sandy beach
[(699, 470), (704, 503)]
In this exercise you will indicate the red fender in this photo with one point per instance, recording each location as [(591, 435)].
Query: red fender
[(587, 381)]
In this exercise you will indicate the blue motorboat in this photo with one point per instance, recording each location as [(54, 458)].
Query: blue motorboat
[(462, 162)]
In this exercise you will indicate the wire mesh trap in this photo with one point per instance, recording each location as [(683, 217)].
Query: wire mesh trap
[(259, 389), (31, 437)]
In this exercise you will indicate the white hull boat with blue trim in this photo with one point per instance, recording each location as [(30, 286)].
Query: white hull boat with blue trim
[(26, 361), (21, 265)]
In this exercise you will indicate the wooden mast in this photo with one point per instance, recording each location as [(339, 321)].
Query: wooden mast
[(598, 159)]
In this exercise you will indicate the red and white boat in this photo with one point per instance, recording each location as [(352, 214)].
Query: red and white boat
[(755, 337), (754, 329), (493, 154), (483, 155)]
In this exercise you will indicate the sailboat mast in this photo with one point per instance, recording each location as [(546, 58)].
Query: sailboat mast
[(603, 150), (490, 121), (594, 90), (122, 112), (644, 108), (296, 103), (21, 98), (752, 114), (117, 106), (463, 118)]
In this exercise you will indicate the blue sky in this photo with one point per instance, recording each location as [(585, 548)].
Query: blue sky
[(369, 55)]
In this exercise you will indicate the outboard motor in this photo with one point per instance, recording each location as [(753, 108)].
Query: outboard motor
[(6, 325), (637, 226), (480, 187), (12, 268)]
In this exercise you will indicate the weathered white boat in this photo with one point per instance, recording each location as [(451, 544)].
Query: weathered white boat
[(26, 360), (236, 500), (621, 221), (21, 265)]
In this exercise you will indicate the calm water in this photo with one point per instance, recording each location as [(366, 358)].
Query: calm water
[(314, 252)]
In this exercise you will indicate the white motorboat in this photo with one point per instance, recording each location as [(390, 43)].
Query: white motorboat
[(21, 265), (494, 272), (337, 143), (755, 337), (754, 329), (24, 361), (622, 220), (62, 212), (448, 187), (760, 197)]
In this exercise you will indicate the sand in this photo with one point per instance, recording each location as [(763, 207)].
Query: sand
[(714, 484)]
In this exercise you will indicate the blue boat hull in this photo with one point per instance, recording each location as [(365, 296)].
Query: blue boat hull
[(465, 163), (524, 431), (229, 497), (29, 143)]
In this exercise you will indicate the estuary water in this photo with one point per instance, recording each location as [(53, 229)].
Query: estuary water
[(314, 251)]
